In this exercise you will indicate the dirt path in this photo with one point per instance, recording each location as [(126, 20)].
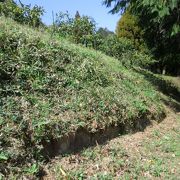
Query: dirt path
[(152, 154)]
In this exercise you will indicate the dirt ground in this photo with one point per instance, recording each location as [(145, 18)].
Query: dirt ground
[(151, 154)]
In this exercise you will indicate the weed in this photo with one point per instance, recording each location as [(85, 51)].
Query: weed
[(34, 169), (50, 88)]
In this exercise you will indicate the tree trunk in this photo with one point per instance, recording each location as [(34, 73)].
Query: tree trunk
[(164, 70)]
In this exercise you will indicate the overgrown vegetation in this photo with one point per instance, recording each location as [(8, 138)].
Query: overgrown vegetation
[(124, 50), (50, 87), (79, 30), (56, 81), (82, 30), (160, 22), (24, 14), (128, 27)]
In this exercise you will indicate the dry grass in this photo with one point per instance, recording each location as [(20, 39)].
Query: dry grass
[(152, 154)]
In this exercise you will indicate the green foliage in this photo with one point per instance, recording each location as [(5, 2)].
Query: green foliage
[(115, 47), (160, 12), (32, 170), (104, 32), (80, 30), (3, 157), (83, 30), (63, 24), (128, 27), (160, 22), (23, 14), (123, 49), (49, 88)]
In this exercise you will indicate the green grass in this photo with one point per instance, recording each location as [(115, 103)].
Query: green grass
[(50, 87), (175, 81)]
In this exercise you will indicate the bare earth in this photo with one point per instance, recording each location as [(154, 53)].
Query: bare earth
[(151, 154)]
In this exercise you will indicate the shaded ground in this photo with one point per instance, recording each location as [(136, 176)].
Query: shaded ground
[(168, 85), (152, 154)]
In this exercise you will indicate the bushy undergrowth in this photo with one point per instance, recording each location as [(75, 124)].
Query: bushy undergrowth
[(21, 13), (49, 88), (124, 50)]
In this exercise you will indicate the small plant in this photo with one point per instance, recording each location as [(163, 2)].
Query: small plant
[(3, 156), (32, 170)]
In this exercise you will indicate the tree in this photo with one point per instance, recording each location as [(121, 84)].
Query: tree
[(104, 32), (115, 47), (101, 35), (63, 24), (21, 13), (123, 50), (160, 21), (77, 16), (81, 30), (128, 27)]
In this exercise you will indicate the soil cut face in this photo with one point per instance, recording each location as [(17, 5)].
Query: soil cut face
[(151, 154), (82, 138)]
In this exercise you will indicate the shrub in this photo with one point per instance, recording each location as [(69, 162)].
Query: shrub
[(123, 49), (23, 14), (80, 30)]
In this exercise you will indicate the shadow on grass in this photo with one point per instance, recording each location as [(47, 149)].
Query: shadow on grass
[(83, 138), (165, 87)]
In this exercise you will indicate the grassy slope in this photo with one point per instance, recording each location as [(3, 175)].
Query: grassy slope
[(49, 87), (151, 154), (175, 81)]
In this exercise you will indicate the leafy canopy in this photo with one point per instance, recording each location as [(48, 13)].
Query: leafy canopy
[(166, 12), (128, 27), (24, 14), (80, 30), (160, 21)]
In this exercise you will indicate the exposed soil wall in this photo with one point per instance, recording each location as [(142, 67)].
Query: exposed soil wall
[(82, 138)]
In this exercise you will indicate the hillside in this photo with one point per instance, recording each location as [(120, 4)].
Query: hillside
[(51, 89), (141, 155)]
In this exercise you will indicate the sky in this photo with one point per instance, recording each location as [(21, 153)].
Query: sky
[(92, 8)]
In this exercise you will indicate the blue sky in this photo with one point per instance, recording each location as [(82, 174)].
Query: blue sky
[(91, 8)]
